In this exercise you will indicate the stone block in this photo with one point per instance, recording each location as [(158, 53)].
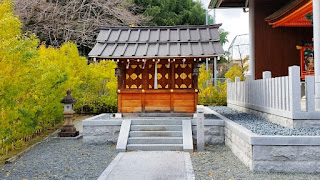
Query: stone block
[(286, 153), (100, 134), (212, 134), (239, 153), (287, 166), (306, 123), (274, 153), (240, 144)]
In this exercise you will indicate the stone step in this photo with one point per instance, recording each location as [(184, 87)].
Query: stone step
[(155, 147), (155, 140), (155, 134), (156, 128), (156, 122)]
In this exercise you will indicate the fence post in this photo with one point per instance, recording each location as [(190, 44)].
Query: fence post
[(236, 82), (228, 89), (248, 91), (200, 128), (310, 101), (294, 90), (265, 75)]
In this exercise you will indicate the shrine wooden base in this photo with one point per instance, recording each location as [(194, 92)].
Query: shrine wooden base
[(156, 101)]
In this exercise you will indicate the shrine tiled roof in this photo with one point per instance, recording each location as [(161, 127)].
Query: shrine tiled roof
[(158, 42)]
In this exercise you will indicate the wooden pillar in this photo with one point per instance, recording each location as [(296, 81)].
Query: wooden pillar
[(172, 83), (195, 84), (316, 38), (195, 77)]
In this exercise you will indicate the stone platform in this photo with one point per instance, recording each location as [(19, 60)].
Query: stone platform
[(105, 128), (261, 153)]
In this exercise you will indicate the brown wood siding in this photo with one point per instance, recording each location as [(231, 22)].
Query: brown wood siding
[(134, 101), (137, 94), (275, 48)]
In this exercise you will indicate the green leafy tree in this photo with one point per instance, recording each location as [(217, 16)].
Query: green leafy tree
[(223, 36), (173, 12)]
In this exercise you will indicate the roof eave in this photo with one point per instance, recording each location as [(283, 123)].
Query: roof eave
[(157, 57)]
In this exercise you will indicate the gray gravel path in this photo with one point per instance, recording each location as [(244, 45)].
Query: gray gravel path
[(60, 159), (218, 162), (261, 126)]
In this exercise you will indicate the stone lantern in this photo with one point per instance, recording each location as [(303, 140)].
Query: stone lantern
[(68, 129)]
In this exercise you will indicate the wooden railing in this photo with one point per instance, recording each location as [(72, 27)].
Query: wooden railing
[(279, 96)]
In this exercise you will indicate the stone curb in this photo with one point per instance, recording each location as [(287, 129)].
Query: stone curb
[(188, 166), (93, 122), (209, 122), (110, 167), (286, 140)]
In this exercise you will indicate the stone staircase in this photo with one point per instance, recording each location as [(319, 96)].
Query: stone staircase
[(160, 134)]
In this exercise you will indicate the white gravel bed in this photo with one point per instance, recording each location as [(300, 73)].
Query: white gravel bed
[(60, 159), (261, 126), (218, 162)]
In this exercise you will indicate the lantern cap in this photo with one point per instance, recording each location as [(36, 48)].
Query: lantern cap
[(68, 99)]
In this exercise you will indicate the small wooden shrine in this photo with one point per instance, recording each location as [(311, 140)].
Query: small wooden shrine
[(157, 66)]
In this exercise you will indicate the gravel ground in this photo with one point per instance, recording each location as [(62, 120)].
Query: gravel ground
[(60, 159), (218, 162), (261, 126)]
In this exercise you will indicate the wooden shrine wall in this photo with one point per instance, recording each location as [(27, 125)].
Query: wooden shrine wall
[(275, 48), (176, 88)]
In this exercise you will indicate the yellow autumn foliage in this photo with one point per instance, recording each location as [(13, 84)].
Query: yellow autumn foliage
[(34, 79), (210, 95)]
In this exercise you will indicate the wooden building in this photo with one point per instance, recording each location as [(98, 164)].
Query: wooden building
[(157, 66), (274, 32)]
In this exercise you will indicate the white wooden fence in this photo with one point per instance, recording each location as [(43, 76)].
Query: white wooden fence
[(279, 96)]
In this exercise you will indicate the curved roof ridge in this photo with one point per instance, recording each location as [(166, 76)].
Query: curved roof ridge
[(286, 10)]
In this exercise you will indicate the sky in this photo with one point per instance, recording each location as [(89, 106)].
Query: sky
[(234, 21)]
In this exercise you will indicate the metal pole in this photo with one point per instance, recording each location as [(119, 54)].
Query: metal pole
[(207, 17), (215, 71), (214, 16), (251, 39), (316, 39), (207, 22)]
